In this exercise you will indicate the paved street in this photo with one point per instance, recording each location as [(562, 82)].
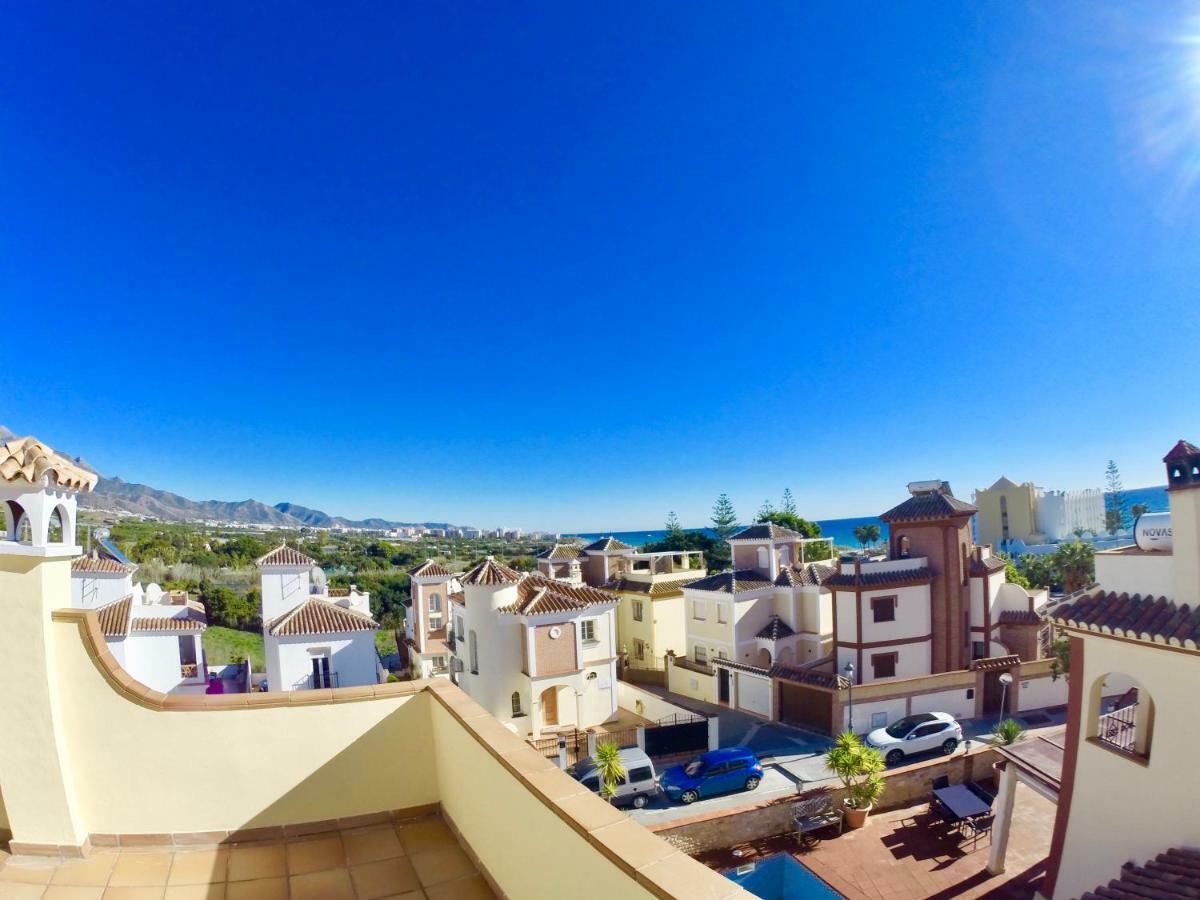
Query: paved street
[(792, 758)]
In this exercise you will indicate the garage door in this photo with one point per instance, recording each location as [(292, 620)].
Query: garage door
[(754, 694), (808, 707)]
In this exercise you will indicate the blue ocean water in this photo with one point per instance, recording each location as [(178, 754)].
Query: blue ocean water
[(842, 530)]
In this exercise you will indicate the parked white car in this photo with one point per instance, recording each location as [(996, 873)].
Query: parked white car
[(918, 733)]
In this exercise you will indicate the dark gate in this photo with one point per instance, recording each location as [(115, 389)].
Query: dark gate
[(680, 736), (723, 685), (806, 706), (992, 693)]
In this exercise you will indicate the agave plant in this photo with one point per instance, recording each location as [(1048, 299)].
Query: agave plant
[(859, 767), (1008, 732), (609, 767)]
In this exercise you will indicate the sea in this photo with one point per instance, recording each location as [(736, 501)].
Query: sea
[(842, 530)]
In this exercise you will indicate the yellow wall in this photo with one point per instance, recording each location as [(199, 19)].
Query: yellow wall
[(1122, 810), (1022, 514), (234, 768)]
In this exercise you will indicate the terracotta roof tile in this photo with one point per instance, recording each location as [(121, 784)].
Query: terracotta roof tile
[(929, 505), (775, 629), (458, 598), (537, 594), (811, 575), (563, 551), (607, 543), (317, 616), (283, 555), (995, 662), (28, 459), (895, 578), (988, 566), (490, 572), (192, 620), (736, 582), (1170, 875), (1019, 617), (764, 531), (99, 565), (1181, 450), (1141, 618), (114, 617), (430, 569), (653, 589), (787, 673)]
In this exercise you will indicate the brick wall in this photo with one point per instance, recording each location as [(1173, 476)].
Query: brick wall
[(905, 787)]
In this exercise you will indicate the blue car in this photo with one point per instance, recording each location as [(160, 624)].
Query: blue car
[(715, 772)]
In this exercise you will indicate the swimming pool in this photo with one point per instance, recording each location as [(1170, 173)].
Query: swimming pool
[(781, 876)]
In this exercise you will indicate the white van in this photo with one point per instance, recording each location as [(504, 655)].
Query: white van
[(640, 782)]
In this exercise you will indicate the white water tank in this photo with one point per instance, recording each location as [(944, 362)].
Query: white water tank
[(1152, 531)]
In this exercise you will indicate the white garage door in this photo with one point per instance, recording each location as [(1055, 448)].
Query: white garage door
[(754, 694)]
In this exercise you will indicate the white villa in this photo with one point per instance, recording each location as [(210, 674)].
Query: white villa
[(156, 635), (314, 637), (537, 653)]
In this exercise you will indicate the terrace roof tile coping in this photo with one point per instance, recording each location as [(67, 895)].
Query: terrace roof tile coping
[(651, 861)]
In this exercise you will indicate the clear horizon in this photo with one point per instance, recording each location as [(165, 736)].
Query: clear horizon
[(548, 266)]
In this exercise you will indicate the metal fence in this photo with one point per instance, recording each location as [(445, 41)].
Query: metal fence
[(1119, 729), (576, 745)]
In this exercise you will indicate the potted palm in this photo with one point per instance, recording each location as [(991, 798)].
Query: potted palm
[(859, 767), (608, 765)]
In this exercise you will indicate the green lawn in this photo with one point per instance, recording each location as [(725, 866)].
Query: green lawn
[(227, 645)]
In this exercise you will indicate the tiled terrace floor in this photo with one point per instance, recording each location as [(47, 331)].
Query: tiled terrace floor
[(413, 860), (903, 854)]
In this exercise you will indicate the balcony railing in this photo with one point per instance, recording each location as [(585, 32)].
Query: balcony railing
[(322, 680), (1118, 729)]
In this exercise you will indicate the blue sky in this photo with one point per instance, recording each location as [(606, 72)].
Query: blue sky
[(572, 267)]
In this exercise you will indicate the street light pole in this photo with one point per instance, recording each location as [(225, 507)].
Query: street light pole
[(849, 670), (1005, 681)]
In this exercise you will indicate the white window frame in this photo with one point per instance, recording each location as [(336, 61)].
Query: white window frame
[(587, 631), (698, 611), (639, 610), (700, 655)]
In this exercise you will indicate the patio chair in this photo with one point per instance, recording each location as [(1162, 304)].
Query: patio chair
[(813, 814), (977, 827), (935, 805), (982, 794)]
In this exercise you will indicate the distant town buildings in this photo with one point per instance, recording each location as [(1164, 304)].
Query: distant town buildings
[(1011, 513), (313, 636)]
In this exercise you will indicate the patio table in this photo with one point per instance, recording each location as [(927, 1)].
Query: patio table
[(959, 800)]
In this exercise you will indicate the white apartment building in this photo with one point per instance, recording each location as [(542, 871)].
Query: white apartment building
[(314, 637), (1061, 513), (538, 654)]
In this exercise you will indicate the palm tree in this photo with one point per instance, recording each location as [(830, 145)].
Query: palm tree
[(1038, 569), (1076, 565), (873, 533), (860, 535), (1138, 509), (608, 765)]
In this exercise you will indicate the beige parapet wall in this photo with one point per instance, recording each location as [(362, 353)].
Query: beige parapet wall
[(144, 764), (653, 707)]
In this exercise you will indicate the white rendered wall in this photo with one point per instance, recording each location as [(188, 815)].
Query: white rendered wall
[(954, 702), (351, 656), (153, 659), (1137, 573), (1037, 693), (283, 589)]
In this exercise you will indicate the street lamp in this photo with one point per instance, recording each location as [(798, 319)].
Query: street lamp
[(849, 670), (1005, 681)]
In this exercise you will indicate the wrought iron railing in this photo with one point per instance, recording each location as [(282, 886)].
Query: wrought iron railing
[(1118, 729), (323, 680)]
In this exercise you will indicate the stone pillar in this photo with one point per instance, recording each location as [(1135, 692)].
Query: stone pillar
[(1003, 821), (714, 732), (35, 776)]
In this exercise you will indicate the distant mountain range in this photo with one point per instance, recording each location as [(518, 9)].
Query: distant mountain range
[(140, 499)]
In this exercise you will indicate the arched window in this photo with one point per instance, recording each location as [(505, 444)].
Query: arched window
[(435, 603), (785, 556), (902, 546), (764, 562), (1121, 715), (516, 704), (9, 522), (24, 529), (54, 531)]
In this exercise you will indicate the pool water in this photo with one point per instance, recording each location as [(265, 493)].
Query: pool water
[(781, 876)]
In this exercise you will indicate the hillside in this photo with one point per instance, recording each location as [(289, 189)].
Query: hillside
[(114, 493)]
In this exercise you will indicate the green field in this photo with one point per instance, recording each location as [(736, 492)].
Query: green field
[(227, 645)]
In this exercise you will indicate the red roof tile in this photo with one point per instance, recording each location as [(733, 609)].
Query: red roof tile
[(114, 617), (737, 582), (429, 569), (929, 505), (607, 543), (1141, 618), (489, 572), (775, 629), (1019, 617), (317, 616), (283, 555), (537, 594), (98, 565), (1170, 875), (895, 578)]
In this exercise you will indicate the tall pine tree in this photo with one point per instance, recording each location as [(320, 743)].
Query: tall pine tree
[(724, 519)]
